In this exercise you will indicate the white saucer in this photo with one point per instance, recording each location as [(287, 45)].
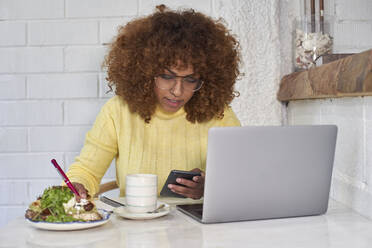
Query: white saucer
[(123, 212)]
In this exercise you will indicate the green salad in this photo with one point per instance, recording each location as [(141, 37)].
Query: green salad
[(50, 207)]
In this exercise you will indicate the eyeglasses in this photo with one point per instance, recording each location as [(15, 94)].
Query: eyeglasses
[(168, 81)]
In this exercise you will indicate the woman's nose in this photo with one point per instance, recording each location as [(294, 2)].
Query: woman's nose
[(177, 89)]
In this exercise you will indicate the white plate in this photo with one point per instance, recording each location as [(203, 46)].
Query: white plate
[(123, 212), (74, 225)]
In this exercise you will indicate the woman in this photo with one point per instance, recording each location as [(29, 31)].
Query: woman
[(174, 74)]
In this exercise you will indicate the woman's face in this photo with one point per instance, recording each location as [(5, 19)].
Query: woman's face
[(171, 100)]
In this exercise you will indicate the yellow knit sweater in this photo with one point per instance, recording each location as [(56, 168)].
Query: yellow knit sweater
[(168, 142)]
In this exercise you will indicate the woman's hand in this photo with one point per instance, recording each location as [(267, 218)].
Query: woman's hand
[(81, 190), (192, 188)]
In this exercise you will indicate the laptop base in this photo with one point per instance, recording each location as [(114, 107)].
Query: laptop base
[(195, 211)]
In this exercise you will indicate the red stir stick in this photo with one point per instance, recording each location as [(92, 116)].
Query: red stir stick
[(64, 177)]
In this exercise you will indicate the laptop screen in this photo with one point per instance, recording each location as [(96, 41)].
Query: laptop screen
[(267, 172)]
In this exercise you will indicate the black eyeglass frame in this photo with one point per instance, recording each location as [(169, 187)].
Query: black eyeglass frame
[(183, 78)]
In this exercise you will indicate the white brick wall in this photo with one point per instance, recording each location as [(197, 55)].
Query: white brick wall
[(12, 87), (87, 58), (15, 34), (100, 8), (62, 86), (15, 192), (361, 10), (352, 36), (368, 141), (82, 112), (13, 140), (10, 212), (63, 32), (31, 59), (35, 9), (352, 29), (18, 165), (109, 28), (65, 139), (51, 88), (30, 113), (352, 177)]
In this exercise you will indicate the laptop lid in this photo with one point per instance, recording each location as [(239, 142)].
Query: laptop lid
[(268, 172)]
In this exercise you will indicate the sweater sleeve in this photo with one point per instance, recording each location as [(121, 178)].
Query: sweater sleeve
[(99, 149)]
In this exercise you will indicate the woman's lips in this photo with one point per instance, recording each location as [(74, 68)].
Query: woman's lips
[(173, 103)]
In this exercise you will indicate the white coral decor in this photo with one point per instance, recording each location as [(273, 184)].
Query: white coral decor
[(309, 47)]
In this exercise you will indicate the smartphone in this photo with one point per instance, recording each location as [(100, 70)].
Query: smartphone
[(173, 175)]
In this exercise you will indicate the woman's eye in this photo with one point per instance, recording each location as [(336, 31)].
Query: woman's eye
[(190, 80), (166, 76)]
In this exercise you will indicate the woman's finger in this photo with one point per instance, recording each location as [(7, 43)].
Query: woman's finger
[(197, 170), (194, 193), (81, 190), (181, 189), (188, 183), (178, 188), (198, 179)]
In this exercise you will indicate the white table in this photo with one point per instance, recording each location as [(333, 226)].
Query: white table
[(340, 227)]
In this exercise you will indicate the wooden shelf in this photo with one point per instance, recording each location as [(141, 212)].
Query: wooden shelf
[(350, 76)]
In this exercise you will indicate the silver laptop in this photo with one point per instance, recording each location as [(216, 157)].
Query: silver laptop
[(255, 173)]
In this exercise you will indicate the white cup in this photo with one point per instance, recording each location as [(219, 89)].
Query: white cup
[(141, 192)]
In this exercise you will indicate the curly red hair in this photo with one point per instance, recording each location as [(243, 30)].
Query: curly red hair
[(146, 46)]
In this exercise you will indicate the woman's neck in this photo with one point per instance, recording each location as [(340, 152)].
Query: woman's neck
[(162, 114)]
